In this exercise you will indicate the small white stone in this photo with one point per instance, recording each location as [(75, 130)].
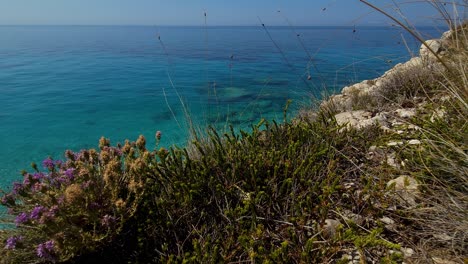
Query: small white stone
[(414, 142), (387, 220), (329, 229), (404, 183), (407, 252), (438, 114), (394, 143), (346, 256), (405, 113), (391, 161), (403, 163)]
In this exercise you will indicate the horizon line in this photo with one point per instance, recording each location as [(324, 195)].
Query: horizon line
[(201, 25)]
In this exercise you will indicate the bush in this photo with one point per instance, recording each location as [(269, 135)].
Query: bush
[(75, 206)]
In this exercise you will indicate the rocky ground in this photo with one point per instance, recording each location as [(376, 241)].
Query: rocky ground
[(395, 102)]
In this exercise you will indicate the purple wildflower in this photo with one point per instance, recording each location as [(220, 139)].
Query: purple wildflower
[(6, 199), (61, 199), (69, 173), (49, 245), (21, 218), (38, 176), (27, 179), (36, 212), (12, 242), (55, 183), (48, 215), (46, 250), (62, 180), (37, 186), (48, 163), (17, 188)]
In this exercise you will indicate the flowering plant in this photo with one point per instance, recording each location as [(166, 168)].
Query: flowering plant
[(75, 205)]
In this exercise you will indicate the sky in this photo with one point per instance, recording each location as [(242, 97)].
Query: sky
[(219, 12)]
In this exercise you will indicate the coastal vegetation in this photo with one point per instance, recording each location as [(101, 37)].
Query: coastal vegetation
[(376, 174)]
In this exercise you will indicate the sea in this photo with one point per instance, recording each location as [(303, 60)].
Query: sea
[(64, 87)]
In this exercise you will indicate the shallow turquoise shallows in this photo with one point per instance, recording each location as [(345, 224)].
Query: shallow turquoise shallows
[(63, 87)]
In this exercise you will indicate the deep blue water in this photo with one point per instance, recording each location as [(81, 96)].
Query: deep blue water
[(63, 87)]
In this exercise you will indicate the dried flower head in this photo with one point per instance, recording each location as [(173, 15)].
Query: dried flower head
[(93, 155), (84, 155), (69, 155), (83, 172), (105, 155), (120, 204), (112, 171), (126, 147), (141, 142), (104, 142), (73, 193)]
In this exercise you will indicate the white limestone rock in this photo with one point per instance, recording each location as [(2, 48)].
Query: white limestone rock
[(407, 189), (359, 119), (426, 54)]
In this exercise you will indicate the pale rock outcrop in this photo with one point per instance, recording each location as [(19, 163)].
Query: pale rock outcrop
[(344, 102), (435, 45), (359, 119)]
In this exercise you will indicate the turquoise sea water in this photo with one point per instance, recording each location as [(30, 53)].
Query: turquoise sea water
[(63, 87)]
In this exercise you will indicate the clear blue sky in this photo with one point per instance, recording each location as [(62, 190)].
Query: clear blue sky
[(190, 12)]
